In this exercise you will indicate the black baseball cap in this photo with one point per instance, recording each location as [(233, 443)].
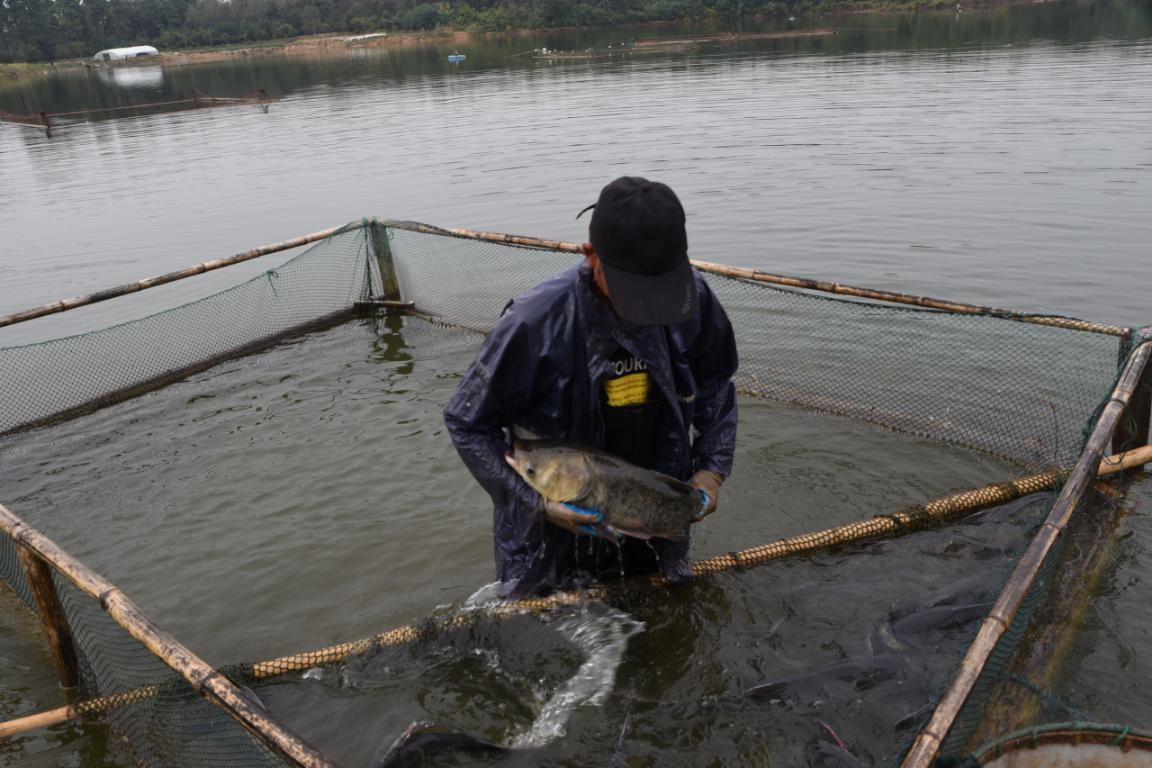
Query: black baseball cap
[(637, 229)]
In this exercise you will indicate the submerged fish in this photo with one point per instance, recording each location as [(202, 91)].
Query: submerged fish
[(425, 744), (635, 501), (857, 673)]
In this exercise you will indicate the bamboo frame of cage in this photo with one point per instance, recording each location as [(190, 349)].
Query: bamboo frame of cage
[(940, 511), (927, 745), (536, 243), (880, 526), (203, 678), (198, 99)]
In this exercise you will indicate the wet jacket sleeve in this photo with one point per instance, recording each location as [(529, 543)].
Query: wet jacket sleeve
[(714, 362), (495, 388)]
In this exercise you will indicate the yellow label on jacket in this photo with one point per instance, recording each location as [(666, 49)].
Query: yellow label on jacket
[(628, 390)]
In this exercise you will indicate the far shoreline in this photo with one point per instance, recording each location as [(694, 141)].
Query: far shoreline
[(312, 45)]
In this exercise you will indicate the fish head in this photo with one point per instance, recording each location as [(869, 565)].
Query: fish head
[(556, 471)]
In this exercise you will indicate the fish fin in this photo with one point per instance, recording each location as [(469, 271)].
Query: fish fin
[(645, 536), (422, 742), (625, 532), (773, 691), (523, 433)]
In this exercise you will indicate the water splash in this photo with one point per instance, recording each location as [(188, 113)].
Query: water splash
[(601, 633)]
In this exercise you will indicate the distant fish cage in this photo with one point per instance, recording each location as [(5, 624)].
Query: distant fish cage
[(51, 121), (1049, 393)]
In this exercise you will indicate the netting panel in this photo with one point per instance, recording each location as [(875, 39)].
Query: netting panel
[(1017, 390), (467, 283), (12, 571), (169, 723), (52, 377)]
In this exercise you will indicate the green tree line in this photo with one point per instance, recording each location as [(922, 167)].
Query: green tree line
[(45, 30)]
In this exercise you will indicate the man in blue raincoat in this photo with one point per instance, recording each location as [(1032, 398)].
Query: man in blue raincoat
[(629, 351)]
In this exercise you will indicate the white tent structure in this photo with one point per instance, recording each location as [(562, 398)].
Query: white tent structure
[(119, 54)]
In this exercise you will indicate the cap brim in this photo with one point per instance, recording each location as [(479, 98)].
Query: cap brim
[(665, 299)]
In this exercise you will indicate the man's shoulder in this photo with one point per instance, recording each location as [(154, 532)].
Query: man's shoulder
[(556, 295)]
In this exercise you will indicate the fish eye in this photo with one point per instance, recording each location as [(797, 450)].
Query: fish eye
[(530, 472)]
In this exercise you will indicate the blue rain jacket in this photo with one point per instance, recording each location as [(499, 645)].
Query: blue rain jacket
[(541, 368)]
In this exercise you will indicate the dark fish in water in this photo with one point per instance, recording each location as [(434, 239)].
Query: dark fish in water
[(938, 618), (899, 633), (914, 718), (635, 501), (423, 744), (832, 753), (826, 755), (857, 672)]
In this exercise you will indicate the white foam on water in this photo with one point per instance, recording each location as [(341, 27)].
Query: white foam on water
[(601, 633), (486, 595)]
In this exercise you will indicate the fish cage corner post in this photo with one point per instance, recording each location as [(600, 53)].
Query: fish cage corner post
[(378, 240), (52, 617), (1132, 431)]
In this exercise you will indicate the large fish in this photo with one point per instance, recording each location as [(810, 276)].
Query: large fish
[(635, 501)]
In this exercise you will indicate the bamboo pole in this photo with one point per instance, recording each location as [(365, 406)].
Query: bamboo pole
[(203, 678), (39, 720), (197, 98), (1043, 652), (824, 286), (568, 247), (150, 282), (119, 108), (941, 510), (1133, 430), (52, 618), (916, 518), (77, 710), (928, 742), (490, 237), (757, 276), (41, 126), (385, 264)]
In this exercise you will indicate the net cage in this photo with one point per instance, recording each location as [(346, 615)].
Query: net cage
[(1045, 393)]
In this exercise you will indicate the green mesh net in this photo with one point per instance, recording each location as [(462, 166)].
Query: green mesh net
[(164, 720), (53, 380), (12, 572)]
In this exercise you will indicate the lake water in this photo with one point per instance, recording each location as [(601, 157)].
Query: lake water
[(999, 157)]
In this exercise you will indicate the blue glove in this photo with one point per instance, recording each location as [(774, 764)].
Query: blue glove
[(588, 529), (705, 500)]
